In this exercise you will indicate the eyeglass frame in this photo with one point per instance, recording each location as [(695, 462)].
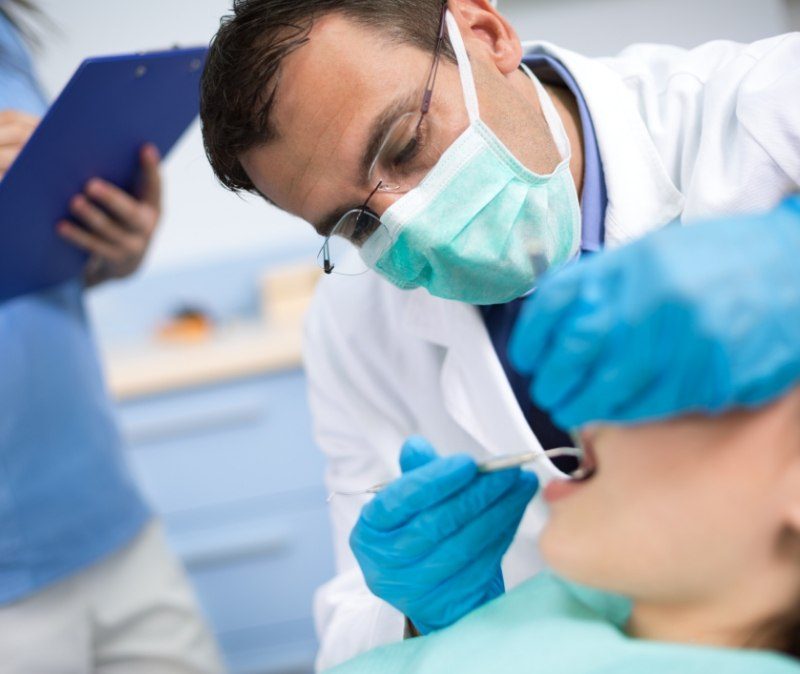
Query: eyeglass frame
[(427, 98)]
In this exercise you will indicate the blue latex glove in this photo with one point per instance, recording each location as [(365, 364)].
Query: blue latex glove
[(431, 543), (700, 318)]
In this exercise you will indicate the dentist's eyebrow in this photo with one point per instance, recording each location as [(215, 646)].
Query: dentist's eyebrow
[(380, 127), (382, 124)]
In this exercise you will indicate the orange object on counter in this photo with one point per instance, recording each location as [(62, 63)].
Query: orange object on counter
[(187, 326)]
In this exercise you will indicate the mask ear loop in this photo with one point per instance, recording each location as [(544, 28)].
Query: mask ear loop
[(464, 68), (551, 116)]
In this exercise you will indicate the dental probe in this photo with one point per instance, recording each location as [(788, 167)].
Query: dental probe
[(490, 466)]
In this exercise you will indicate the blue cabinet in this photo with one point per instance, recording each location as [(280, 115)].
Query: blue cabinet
[(234, 473)]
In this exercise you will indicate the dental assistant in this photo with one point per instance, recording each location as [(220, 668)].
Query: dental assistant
[(461, 177), (87, 582)]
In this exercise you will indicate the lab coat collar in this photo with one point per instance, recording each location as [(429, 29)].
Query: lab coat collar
[(641, 195), (475, 389)]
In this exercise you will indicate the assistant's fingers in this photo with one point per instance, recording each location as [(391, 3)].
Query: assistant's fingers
[(99, 222), (151, 176), (418, 490), (15, 135), (17, 117), (125, 208), (7, 157), (88, 241)]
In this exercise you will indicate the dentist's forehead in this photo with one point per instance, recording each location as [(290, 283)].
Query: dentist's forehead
[(329, 93)]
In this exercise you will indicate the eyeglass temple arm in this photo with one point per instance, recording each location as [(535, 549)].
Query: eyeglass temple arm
[(426, 99), (326, 259)]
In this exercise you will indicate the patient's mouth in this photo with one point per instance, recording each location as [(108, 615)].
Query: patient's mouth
[(588, 467), (556, 490)]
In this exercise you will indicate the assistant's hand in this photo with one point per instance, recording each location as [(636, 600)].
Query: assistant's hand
[(696, 318), (117, 227), (431, 543), (15, 130)]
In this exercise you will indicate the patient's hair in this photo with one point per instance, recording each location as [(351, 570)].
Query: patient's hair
[(782, 633), (242, 70), (789, 631)]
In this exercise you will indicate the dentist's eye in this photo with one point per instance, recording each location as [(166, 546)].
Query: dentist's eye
[(410, 147), (408, 153)]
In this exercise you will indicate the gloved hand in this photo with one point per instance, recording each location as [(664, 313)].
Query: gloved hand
[(701, 317), (431, 542)]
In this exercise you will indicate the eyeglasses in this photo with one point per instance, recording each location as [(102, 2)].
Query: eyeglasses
[(404, 158)]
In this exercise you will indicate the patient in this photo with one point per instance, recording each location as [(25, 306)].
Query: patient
[(689, 533)]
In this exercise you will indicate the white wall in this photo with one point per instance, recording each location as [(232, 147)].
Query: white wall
[(204, 222), (602, 27)]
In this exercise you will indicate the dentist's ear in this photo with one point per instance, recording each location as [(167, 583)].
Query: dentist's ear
[(487, 32)]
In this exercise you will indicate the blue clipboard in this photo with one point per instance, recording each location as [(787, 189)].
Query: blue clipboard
[(96, 127)]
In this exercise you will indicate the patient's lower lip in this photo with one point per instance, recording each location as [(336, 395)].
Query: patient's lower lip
[(558, 489)]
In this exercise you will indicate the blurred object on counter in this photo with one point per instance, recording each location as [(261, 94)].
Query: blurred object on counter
[(286, 292), (243, 349), (187, 325)]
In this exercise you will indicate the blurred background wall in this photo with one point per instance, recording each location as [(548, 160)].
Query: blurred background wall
[(205, 223)]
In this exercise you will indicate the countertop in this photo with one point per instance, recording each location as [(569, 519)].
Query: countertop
[(238, 350)]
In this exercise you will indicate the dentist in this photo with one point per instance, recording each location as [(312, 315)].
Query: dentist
[(463, 166)]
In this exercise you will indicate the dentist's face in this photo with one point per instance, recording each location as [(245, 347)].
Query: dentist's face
[(338, 94)]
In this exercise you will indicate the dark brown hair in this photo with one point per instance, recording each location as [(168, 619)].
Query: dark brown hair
[(782, 632), (242, 70)]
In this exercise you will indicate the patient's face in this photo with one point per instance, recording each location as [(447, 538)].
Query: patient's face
[(682, 508)]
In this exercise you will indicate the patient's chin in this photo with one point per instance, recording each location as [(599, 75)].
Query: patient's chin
[(581, 554), (568, 554)]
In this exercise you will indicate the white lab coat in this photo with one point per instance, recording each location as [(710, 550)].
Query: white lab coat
[(682, 135)]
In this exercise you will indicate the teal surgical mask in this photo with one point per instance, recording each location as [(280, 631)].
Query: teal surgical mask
[(480, 228)]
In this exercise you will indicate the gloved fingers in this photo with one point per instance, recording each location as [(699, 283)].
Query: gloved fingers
[(569, 365), (415, 453), (497, 584), (469, 587), (418, 490), (626, 369), (457, 596), (431, 527), (537, 325), (502, 517), (405, 545), (667, 392)]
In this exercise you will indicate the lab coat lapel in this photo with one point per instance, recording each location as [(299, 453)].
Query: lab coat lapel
[(641, 198), (474, 387), (641, 195)]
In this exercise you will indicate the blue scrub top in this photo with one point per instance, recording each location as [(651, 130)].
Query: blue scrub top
[(66, 498), (501, 318)]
